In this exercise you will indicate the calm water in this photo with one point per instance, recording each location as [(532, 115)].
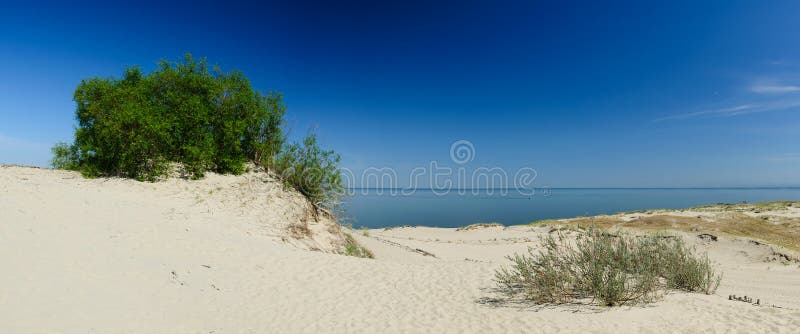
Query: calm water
[(429, 209)]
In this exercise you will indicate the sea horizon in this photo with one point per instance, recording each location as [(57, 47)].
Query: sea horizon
[(385, 207), (521, 188)]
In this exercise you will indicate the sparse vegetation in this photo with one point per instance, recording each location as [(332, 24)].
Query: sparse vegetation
[(299, 231), (353, 248), (777, 230), (478, 226), (751, 207), (543, 222), (613, 269)]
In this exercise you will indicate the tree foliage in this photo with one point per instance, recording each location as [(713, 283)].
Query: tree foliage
[(200, 117), (182, 112)]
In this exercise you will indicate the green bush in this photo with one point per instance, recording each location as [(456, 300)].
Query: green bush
[(312, 171), (204, 119), (183, 112), (65, 156), (613, 269)]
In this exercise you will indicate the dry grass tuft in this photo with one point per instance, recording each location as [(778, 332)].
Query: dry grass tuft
[(353, 248), (299, 231), (613, 269)]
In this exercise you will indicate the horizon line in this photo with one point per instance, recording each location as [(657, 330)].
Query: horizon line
[(523, 188)]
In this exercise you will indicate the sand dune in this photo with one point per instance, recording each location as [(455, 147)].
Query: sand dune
[(219, 256)]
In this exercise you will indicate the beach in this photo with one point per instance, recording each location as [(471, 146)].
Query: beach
[(224, 254)]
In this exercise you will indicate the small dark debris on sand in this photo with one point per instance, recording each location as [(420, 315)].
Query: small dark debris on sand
[(707, 237)]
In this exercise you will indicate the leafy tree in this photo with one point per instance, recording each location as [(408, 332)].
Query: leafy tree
[(182, 112), (205, 119)]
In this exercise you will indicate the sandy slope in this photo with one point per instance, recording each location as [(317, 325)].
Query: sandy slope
[(117, 256)]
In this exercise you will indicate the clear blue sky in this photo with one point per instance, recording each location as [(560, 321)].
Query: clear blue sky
[(588, 94)]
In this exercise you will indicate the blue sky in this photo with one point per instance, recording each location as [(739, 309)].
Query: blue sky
[(627, 94)]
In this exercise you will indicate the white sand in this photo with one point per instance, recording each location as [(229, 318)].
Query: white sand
[(119, 256)]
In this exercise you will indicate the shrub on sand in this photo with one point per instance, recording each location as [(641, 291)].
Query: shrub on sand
[(312, 171), (183, 112), (613, 269)]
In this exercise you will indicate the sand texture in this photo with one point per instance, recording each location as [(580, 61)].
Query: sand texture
[(235, 254)]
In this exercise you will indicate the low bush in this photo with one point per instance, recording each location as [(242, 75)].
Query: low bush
[(312, 171), (613, 269)]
